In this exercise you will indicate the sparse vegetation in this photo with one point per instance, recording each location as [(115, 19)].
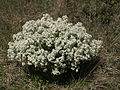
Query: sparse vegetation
[(102, 20)]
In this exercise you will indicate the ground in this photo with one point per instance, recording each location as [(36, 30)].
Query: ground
[(101, 19)]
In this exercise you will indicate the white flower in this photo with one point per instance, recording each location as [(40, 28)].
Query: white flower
[(55, 71), (53, 44)]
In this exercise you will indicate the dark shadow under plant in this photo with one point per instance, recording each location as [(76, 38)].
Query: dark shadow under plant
[(64, 78)]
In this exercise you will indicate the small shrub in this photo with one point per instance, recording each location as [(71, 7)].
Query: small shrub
[(53, 45)]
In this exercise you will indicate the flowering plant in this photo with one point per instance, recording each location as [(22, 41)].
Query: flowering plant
[(53, 45)]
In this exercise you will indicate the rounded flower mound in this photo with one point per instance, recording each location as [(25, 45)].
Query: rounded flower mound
[(53, 45)]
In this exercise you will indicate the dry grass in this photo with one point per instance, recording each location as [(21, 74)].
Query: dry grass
[(102, 20)]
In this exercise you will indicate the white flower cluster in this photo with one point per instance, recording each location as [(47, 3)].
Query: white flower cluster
[(53, 45)]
